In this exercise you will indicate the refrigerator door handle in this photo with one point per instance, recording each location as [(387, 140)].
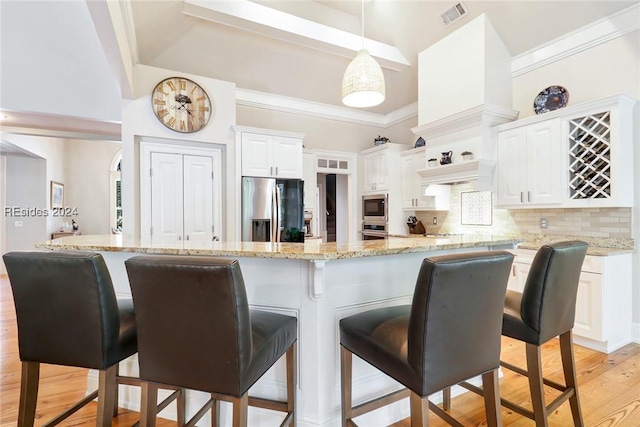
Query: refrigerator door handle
[(278, 215), (273, 218)]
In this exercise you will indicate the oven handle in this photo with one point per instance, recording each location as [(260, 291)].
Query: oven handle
[(375, 233)]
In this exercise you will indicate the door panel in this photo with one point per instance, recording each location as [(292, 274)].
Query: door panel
[(166, 197), (198, 197)]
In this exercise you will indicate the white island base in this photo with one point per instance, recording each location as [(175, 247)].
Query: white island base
[(319, 293)]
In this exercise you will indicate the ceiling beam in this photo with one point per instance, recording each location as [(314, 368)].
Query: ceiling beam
[(273, 23)]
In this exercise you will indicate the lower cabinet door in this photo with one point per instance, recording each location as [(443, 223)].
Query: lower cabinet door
[(589, 322)]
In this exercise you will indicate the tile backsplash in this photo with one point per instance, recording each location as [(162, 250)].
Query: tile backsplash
[(612, 223)]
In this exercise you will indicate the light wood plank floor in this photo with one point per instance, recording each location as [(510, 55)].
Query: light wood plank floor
[(609, 385)]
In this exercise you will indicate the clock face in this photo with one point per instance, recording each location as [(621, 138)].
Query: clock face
[(181, 105)]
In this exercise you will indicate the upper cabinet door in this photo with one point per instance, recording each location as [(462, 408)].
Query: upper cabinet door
[(287, 157), (512, 153), (257, 155), (530, 165), (544, 167), (270, 156)]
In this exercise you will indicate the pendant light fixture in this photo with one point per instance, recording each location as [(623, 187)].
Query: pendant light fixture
[(363, 81)]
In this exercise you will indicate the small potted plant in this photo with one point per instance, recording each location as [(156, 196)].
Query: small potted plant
[(432, 162), (379, 140), (467, 155)]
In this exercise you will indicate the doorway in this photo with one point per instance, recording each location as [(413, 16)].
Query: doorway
[(333, 215)]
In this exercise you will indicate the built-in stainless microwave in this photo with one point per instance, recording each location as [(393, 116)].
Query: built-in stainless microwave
[(375, 208)]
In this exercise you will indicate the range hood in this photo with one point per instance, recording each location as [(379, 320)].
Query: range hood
[(480, 172), (464, 89)]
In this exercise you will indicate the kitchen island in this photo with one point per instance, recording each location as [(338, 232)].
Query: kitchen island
[(319, 283)]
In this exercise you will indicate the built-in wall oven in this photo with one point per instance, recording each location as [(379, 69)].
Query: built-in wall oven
[(374, 231), (375, 208)]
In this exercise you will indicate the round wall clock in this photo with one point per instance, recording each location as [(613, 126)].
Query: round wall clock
[(181, 104)]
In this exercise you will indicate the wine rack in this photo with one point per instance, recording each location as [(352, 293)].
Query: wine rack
[(590, 156)]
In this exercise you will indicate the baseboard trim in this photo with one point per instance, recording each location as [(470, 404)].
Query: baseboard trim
[(635, 332)]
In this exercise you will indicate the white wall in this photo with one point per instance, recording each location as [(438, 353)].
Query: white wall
[(26, 189), (606, 69), (326, 134), (139, 123), (87, 183), (53, 62)]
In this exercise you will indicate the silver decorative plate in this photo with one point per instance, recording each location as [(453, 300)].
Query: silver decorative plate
[(552, 98)]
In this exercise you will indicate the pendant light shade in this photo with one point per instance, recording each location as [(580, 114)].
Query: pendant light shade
[(363, 82)]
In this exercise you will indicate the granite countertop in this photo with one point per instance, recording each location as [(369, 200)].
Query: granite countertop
[(598, 246), (310, 250)]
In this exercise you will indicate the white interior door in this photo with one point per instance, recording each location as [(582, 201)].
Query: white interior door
[(166, 197), (198, 198)]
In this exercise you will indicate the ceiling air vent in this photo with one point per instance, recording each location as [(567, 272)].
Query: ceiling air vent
[(453, 14)]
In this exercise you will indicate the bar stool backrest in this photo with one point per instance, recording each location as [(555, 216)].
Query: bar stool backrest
[(456, 317), (194, 327), (549, 295), (66, 308)]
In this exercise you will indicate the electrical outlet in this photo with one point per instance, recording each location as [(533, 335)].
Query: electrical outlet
[(435, 220), (17, 224), (544, 223)]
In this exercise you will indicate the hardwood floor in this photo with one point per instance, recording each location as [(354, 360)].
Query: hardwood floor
[(609, 385)]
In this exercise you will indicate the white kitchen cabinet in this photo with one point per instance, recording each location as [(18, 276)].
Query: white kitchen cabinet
[(603, 301), (381, 165), (576, 157), (271, 156), (530, 165), (410, 162)]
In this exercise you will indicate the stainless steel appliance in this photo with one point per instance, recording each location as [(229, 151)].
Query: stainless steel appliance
[(272, 210), (375, 208), (374, 231)]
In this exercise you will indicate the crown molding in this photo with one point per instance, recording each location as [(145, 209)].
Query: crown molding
[(587, 37), (285, 104)]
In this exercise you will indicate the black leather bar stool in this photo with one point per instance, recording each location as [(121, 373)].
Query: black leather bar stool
[(546, 309), (449, 333), (68, 314), (195, 330)]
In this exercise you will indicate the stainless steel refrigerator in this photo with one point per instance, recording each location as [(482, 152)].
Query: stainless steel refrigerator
[(272, 210)]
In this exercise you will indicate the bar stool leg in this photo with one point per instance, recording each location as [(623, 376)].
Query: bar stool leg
[(215, 412), (181, 407), (536, 385), (115, 394), (29, 380), (570, 377), (241, 410), (446, 398), (106, 394), (346, 367), (491, 387), (291, 382), (148, 410), (419, 410)]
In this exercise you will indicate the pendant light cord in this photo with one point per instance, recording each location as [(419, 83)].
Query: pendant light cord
[(362, 24)]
